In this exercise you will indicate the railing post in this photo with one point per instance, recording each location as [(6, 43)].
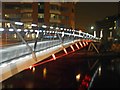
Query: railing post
[(33, 53)]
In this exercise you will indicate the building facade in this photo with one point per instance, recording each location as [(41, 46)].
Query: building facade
[(48, 13), (109, 27), (56, 14)]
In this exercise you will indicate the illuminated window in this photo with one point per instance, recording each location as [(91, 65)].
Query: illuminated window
[(7, 24), (33, 36), (106, 18), (28, 36), (0, 24), (41, 5), (27, 25), (15, 36), (27, 15), (114, 27), (54, 16), (7, 16), (12, 15), (40, 15), (110, 28)]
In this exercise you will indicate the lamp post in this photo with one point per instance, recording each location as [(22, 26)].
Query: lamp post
[(92, 27), (94, 32)]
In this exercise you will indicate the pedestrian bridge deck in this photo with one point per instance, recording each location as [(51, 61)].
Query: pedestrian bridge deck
[(12, 67)]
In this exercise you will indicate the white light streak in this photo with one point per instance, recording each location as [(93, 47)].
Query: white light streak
[(18, 30), (18, 23), (44, 26), (1, 29), (11, 30), (34, 25), (25, 30), (51, 27)]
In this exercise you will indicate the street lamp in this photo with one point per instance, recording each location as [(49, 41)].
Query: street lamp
[(94, 32), (92, 27)]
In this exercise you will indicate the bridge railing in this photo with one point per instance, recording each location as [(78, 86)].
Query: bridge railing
[(43, 37)]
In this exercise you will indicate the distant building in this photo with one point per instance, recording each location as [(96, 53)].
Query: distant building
[(108, 27), (119, 7)]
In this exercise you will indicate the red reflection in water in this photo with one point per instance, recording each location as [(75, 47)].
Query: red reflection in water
[(85, 82)]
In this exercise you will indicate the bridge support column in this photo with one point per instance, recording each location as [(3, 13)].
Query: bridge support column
[(53, 55), (81, 44), (77, 46), (65, 51), (72, 47), (92, 44)]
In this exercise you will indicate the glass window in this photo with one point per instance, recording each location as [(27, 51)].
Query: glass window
[(27, 15), (12, 15), (27, 25), (0, 24), (40, 24), (62, 17), (40, 15), (26, 6), (7, 24), (54, 16), (41, 5), (7, 16), (63, 9), (54, 7), (12, 6)]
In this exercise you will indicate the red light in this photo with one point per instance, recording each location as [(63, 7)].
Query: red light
[(53, 55), (87, 78), (84, 43), (65, 51)]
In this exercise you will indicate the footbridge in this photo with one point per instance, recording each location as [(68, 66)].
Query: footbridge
[(44, 48)]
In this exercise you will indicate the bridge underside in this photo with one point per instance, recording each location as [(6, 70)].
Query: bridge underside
[(16, 66)]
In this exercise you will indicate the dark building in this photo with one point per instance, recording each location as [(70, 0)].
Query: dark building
[(119, 7), (108, 27)]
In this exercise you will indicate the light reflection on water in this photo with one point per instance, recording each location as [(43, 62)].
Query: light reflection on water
[(108, 74), (65, 73)]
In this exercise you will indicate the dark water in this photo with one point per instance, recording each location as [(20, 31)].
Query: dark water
[(62, 73), (108, 75)]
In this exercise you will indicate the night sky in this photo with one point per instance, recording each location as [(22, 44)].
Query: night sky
[(87, 13)]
